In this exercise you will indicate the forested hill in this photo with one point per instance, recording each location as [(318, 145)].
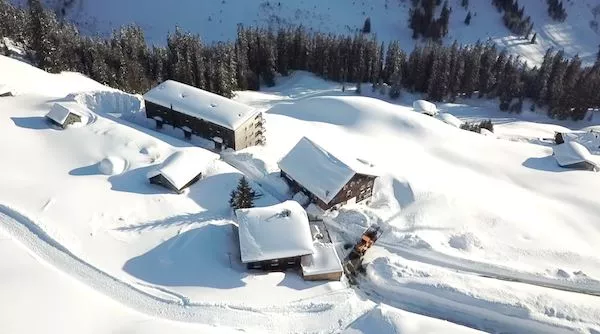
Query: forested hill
[(563, 84)]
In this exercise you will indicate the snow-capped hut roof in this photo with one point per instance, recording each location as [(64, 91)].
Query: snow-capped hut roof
[(6, 90), (425, 107), (450, 119), (321, 173), (324, 261), (182, 167), (201, 104), (274, 232), (60, 112), (573, 154)]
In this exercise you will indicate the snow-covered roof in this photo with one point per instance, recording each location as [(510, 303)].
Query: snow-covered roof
[(450, 119), (571, 153), (182, 166), (319, 171), (324, 260), (6, 90), (425, 107), (274, 232), (200, 103), (59, 113)]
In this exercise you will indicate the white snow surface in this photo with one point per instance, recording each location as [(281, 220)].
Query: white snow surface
[(59, 113), (425, 107), (200, 104), (112, 165), (319, 171), (571, 152), (274, 232), (450, 119), (182, 166), (324, 260)]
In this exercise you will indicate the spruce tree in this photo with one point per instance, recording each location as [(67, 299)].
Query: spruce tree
[(367, 26), (468, 19), (243, 196), (534, 38)]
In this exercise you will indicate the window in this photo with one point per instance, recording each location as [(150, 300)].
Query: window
[(349, 193)]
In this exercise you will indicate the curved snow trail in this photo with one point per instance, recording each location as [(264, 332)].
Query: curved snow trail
[(481, 269), (305, 316)]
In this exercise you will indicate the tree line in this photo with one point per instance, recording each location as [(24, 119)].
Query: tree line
[(256, 56)]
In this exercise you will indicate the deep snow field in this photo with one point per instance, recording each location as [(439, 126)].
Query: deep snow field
[(464, 216), (217, 20)]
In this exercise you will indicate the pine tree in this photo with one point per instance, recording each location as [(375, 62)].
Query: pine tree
[(468, 19), (534, 38), (243, 196), (367, 26), (464, 3)]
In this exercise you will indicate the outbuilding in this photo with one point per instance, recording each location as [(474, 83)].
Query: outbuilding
[(63, 115), (228, 123), (323, 264), (571, 154), (274, 237), (181, 169), (326, 179), (425, 107)]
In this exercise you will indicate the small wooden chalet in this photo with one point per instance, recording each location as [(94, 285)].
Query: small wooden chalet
[(274, 237), (571, 154), (229, 124), (181, 169), (324, 178), (323, 265), (63, 115)]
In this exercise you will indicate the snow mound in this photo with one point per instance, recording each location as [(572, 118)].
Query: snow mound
[(464, 241), (112, 165), (450, 119), (384, 319)]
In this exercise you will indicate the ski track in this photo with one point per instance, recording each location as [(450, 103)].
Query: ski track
[(288, 318)]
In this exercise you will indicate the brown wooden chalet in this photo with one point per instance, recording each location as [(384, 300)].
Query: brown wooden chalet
[(327, 180), (229, 124)]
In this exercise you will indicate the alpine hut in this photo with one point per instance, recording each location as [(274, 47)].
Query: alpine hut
[(326, 179), (181, 169), (571, 154), (425, 107), (64, 115), (229, 124), (274, 237)]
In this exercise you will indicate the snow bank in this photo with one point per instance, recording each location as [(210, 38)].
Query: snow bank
[(274, 232), (110, 102), (200, 103), (450, 119), (112, 165), (425, 107)]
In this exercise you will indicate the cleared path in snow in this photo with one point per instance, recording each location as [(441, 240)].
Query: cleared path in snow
[(305, 316)]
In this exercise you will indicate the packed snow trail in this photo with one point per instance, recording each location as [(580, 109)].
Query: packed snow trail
[(465, 266), (290, 318)]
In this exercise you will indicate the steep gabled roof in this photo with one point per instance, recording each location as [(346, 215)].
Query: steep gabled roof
[(201, 104), (320, 172), (572, 153), (274, 232), (182, 166), (60, 112)]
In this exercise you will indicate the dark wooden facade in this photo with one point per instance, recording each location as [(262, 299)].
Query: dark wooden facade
[(160, 180), (276, 264), (208, 130), (360, 187)]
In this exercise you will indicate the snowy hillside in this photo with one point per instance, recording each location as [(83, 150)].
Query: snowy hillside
[(216, 20), (464, 215)]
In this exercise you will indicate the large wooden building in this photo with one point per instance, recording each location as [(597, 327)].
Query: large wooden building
[(229, 124), (324, 178)]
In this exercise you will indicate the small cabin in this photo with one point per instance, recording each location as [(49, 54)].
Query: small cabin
[(229, 124), (63, 116), (181, 169), (323, 265), (327, 180), (425, 107), (571, 154), (274, 238)]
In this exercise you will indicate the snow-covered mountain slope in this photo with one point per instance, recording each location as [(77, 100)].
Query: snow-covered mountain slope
[(216, 20), (455, 206)]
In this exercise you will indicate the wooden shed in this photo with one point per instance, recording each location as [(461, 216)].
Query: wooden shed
[(181, 169), (63, 116)]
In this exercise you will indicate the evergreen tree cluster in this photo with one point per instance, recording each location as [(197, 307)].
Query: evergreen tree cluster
[(556, 10), (256, 56), (422, 20), (513, 17), (243, 196), (476, 127)]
